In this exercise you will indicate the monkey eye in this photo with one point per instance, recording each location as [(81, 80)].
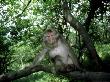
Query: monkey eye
[(50, 35)]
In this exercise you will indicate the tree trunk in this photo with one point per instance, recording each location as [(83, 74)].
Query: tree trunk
[(81, 30)]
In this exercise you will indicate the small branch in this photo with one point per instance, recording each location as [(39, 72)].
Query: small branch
[(24, 9)]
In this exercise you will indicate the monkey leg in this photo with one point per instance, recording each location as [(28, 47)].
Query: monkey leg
[(69, 68), (65, 68)]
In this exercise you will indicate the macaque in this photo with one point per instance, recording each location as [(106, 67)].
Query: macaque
[(59, 52)]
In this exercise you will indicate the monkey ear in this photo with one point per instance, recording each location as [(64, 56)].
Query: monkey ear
[(57, 35), (44, 39)]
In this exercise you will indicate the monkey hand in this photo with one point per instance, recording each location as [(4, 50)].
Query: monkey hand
[(53, 70)]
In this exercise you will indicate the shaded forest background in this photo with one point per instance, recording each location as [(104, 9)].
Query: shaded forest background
[(22, 23)]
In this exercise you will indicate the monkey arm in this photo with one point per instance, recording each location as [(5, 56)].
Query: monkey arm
[(39, 57)]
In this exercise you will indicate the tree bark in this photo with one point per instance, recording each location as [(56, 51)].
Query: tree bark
[(81, 30), (77, 75)]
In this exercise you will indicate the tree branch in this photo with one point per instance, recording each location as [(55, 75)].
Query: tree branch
[(22, 73), (24, 9), (94, 5), (90, 76), (76, 74)]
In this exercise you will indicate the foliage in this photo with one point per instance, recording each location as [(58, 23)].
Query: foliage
[(5, 56), (22, 27)]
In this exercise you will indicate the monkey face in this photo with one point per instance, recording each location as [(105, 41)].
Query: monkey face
[(51, 38)]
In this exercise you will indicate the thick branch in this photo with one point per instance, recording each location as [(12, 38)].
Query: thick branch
[(22, 73), (94, 5), (90, 76), (81, 30), (76, 74)]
